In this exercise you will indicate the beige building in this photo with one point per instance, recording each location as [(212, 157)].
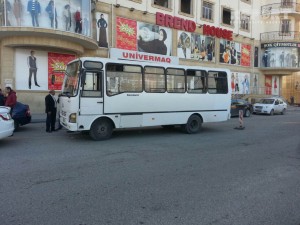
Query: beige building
[(256, 40)]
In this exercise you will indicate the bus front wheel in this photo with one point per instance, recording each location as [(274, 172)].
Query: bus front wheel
[(101, 129), (193, 125)]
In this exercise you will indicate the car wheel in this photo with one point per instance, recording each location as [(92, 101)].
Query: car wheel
[(283, 112), (193, 125), (101, 129), (247, 113), (272, 112)]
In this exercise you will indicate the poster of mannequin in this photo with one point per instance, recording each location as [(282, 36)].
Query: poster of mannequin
[(102, 31), (53, 14), (275, 85), (244, 83), (31, 69), (154, 39), (240, 83), (39, 70)]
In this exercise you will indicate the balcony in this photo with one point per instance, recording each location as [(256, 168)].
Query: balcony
[(282, 7), (280, 36)]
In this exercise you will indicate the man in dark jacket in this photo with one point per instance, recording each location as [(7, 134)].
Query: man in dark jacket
[(50, 103)]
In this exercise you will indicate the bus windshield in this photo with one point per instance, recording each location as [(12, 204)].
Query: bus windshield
[(70, 85)]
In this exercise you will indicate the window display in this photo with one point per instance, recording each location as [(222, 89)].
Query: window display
[(67, 15)]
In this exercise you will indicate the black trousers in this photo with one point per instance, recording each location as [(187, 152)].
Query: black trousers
[(32, 71), (50, 121)]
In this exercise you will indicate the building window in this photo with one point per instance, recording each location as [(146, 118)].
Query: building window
[(207, 10), (163, 3), (245, 20), (285, 26), (227, 16), (186, 6), (286, 3)]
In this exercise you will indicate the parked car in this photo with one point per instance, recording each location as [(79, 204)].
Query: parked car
[(270, 106), (240, 104), (6, 122), (21, 115)]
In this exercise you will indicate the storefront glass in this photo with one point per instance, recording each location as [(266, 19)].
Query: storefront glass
[(66, 15), (283, 55)]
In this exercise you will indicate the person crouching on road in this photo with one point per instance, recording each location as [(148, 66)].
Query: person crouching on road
[(50, 103)]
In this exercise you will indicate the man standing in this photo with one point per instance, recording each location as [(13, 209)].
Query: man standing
[(31, 61), (50, 103)]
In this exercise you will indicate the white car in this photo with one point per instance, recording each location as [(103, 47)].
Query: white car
[(270, 106), (6, 123)]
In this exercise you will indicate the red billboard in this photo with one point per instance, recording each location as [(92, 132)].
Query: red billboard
[(57, 63), (126, 34), (245, 55)]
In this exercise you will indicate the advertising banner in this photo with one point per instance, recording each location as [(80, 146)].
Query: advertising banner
[(240, 83), (235, 53), (143, 37), (57, 63), (126, 34), (268, 84), (246, 55), (102, 34), (195, 46), (40, 70)]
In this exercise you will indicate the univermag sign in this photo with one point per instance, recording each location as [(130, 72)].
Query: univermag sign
[(116, 53), (190, 26)]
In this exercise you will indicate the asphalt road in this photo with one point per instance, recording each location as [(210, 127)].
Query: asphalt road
[(155, 176)]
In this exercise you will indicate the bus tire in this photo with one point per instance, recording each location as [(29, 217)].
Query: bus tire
[(193, 125), (101, 129)]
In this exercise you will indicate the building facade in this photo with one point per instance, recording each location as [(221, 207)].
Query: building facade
[(257, 40)]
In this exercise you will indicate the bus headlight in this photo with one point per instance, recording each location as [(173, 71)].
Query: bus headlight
[(72, 118)]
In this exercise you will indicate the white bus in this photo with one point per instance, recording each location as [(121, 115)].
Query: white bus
[(100, 95)]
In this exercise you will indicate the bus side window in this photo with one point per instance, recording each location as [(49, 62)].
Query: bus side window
[(175, 80), (196, 81), (217, 82), (155, 79), (123, 78), (92, 86)]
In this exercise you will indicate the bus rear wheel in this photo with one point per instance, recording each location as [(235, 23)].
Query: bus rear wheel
[(193, 125), (101, 129)]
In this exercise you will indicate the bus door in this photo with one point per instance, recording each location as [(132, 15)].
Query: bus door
[(91, 95)]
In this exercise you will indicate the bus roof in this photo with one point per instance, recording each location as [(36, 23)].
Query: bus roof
[(144, 63)]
